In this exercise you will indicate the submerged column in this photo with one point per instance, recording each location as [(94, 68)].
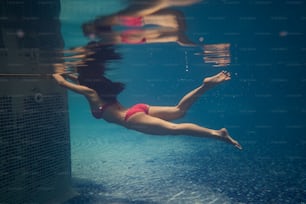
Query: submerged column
[(35, 161)]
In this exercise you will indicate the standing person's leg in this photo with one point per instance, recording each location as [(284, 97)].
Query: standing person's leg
[(155, 126), (144, 8), (135, 8), (175, 112)]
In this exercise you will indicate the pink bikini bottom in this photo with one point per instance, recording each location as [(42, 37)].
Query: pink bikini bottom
[(136, 109)]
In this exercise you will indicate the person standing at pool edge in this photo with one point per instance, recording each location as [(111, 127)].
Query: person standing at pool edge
[(153, 120)]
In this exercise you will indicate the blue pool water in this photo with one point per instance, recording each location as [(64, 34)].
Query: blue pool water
[(263, 107)]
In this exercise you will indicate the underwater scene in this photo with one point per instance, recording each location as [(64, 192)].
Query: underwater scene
[(262, 45), (220, 93)]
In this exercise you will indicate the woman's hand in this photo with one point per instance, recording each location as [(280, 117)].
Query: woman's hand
[(58, 78), (59, 68)]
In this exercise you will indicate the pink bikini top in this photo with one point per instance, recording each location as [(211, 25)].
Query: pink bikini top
[(99, 113)]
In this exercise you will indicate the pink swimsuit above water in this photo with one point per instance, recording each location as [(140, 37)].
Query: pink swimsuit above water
[(141, 107), (132, 37), (131, 21)]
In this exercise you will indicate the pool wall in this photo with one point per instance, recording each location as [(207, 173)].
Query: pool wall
[(35, 164)]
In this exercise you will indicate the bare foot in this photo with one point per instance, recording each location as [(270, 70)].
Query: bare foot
[(216, 79), (227, 138)]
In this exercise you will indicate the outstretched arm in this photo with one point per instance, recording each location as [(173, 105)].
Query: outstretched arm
[(84, 90), (73, 78)]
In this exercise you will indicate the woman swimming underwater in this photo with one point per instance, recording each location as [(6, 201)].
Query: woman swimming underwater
[(101, 94)]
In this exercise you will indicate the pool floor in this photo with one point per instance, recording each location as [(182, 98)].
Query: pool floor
[(134, 168)]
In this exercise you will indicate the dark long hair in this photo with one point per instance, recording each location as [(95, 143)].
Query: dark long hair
[(92, 74)]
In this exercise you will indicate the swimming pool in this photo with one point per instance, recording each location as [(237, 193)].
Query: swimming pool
[(263, 107)]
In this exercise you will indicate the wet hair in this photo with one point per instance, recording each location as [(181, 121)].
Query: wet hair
[(106, 89), (93, 73)]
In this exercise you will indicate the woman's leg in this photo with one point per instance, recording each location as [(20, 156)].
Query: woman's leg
[(175, 112), (156, 126)]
